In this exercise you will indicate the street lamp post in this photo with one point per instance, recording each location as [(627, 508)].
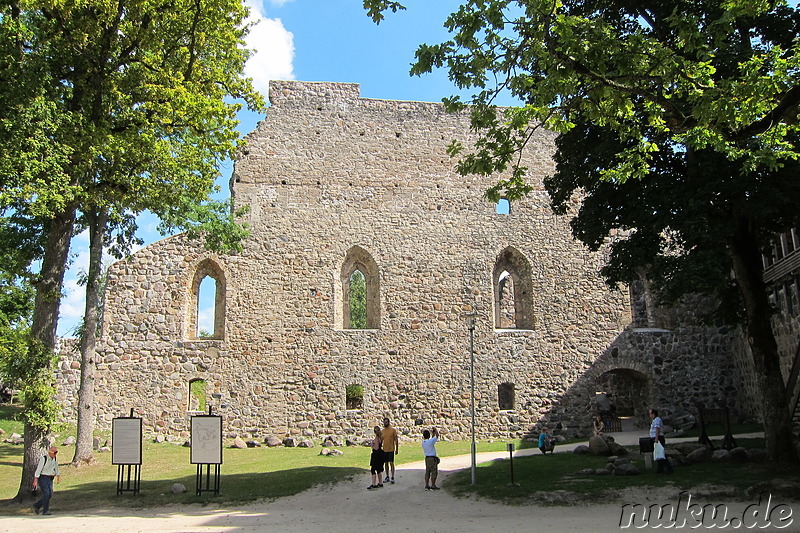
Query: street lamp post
[(471, 326)]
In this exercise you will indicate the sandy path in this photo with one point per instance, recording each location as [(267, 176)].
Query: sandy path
[(348, 506)]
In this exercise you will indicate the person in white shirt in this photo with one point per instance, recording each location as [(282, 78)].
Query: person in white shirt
[(43, 479), (657, 435), (431, 460)]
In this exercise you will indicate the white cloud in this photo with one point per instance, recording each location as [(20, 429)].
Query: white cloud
[(273, 48)]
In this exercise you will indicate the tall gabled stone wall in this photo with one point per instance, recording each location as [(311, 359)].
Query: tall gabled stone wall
[(330, 177)]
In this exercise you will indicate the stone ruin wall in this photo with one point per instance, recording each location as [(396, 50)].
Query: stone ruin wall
[(786, 326), (328, 171)]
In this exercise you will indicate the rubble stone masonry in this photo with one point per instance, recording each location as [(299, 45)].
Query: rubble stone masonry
[(335, 182)]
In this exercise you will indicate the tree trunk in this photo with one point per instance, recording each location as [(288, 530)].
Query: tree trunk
[(747, 266), (43, 331), (86, 409)]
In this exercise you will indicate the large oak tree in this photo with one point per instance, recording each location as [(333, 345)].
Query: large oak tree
[(679, 123), (112, 107)]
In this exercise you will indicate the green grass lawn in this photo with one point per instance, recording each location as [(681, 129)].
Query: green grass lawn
[(560, 472), (246, 475), (267, 473)]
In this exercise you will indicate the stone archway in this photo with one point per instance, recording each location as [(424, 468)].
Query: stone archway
[(629, 391)]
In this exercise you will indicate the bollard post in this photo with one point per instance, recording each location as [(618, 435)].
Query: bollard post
[(510, 447)]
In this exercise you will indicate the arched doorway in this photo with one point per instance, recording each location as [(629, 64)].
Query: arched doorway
[(626, 392)]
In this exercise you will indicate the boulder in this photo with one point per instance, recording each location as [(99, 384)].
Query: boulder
[(332, 441), (581, 449), (620, 461), (330, 452), (350, 442), (678, 459), (616, 449), (69, 441), (253, 444), (719, 456), (738, 455), (700, 455), (757, 455), (626, 469), (15, 438), (239, 443), (289, 442), (687, 447), (160, 438), (95, 443), (273, 441), (178, 488), (598, 446), (305, 443)]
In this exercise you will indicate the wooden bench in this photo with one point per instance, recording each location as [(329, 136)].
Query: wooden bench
[(612, 424)]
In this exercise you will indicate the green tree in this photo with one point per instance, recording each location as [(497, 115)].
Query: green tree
[(19, 245), (16, 305), (113, 107), (358, 301), (695, 104)]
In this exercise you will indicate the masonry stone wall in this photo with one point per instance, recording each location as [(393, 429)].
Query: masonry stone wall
[(334, 180), (786, 326)]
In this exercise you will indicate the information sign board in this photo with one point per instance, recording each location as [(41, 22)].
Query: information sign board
[(206, 440)]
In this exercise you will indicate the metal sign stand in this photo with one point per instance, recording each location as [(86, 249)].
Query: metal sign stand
[(206, 451), (204, 481), (130, 482), (127, 453)]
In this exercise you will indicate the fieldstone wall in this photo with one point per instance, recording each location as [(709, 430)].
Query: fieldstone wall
[(786, 326), (328, 173)]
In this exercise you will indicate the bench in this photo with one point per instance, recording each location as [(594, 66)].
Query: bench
[(612, 424)]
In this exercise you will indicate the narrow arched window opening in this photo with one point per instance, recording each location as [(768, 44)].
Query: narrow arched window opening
[(505, 304), (206, 307), (360, 291), (197, 395), (513, 291), (358, 300)]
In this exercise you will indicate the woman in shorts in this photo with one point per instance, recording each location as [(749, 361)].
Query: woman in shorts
[(376, 460)]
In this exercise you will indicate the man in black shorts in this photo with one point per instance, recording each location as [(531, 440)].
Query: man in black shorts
[(391, 446)]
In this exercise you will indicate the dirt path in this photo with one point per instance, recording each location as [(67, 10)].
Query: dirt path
[(349, 507)]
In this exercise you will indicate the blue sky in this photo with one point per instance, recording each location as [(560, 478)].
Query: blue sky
[(314, 40)]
